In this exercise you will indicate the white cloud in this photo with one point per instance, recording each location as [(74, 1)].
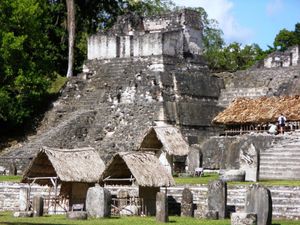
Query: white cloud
[(274, 7), (221, 10)]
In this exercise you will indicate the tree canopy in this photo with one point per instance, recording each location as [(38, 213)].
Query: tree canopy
[(286, 38)]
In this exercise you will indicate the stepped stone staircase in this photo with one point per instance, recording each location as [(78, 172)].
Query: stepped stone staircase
[(282, 160)]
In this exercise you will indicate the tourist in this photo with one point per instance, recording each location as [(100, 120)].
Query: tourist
[(281, 123)]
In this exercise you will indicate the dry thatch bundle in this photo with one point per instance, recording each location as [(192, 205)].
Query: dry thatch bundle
[(144, 167), (168, 137), (69, 165), (260, 110)]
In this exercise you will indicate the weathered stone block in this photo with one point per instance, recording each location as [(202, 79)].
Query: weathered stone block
[(162, 208), (187, 208), (217, 197), (233, 175), (38, 205), (129, 210), (249, 162), (201, 211), (243, 219), (23, 214), (259, 201), (76, 215), (24, 199), (12, 169), (212, 215), (98, 202)]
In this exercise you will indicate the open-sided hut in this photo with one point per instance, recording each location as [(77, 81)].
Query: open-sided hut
[(138, 168), (74, 169), (168, 144), (249, 114)]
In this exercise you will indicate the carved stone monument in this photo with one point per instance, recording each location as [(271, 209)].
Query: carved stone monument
[(249, 162), (162, 208), (187, 208), (98, 202), (259, 201), (217, 197)]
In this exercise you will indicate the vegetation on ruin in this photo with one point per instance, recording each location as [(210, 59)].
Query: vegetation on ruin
[(6, 218)]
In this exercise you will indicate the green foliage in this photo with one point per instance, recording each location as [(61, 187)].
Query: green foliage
[(285, 39), (150, 7), (221, 57), (25, 60), (57, 84)]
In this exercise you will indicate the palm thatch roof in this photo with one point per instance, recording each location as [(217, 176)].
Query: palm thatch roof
[(260, 110), (144, 167), (167, 137), (69, 165)]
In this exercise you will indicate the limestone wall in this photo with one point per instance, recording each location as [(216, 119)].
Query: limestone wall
[(9, 194), (149, 44), (286, 200)]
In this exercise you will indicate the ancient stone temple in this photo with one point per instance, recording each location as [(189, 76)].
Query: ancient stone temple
[(141, 73)]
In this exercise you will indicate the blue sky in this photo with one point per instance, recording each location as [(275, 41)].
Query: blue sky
[(250, 21)]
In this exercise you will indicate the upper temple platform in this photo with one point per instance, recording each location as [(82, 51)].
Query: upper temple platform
[(176, 34)]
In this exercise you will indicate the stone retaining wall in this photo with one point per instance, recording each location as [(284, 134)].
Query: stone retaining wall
[(286, 200)]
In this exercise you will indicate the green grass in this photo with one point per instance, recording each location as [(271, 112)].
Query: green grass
[(6, 218), (57, 84), (196, 180), (207, 177), (10, 178)]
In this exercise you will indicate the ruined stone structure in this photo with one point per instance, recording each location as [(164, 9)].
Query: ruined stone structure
[(138, 73), (289, 57), (171, 34)]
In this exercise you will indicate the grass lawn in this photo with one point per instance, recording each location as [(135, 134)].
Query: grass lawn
[(214, 176), (195, 180), (10, 178), (7, 219)]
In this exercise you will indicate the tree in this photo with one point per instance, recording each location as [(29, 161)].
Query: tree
[(71, 30), (285, 39), (26, 65)]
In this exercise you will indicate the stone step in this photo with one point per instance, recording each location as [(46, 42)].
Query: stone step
[(294, 162), (280, 167), (285, 175), (281, 154)]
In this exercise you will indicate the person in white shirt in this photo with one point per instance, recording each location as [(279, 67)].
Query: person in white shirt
[(281, 123)]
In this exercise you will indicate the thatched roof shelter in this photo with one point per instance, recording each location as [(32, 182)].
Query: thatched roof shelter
[(260, 110), (144, 167), (168, 137), (69, 165)]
